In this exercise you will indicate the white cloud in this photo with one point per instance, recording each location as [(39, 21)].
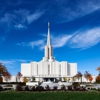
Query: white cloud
[(8, 18), (60, 41), (39, 43), (81, 39), (13, 62), (78, 10), (22, 14), (43, 34), (21, 44), (89, 6), (19, 18), (56, 42), (12, 20), (22, 60), (33, 17), (20, 26), (86, 39), (7, 61)]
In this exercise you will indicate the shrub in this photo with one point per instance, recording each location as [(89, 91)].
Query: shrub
[(55, 88), (70, 88), (25, 79), (98, 89), (47, 88), (1, 80), (76, 88), (39, 88), (65, 79), (33, 78), (75, 84), (83, 89), (22, 83), (93, 88), (63, 87), (26, 88), (33, 88), (23, 88), (1, 88), (18, 88)]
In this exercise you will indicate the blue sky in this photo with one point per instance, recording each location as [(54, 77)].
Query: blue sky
[(75, 32)]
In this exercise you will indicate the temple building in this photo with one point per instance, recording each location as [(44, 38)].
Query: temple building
[(49, 67)]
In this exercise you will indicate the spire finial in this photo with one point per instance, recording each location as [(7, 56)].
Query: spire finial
[(48, 25), (48, 37)]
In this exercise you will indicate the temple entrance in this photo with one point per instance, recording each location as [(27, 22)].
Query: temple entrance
[(48, 79)]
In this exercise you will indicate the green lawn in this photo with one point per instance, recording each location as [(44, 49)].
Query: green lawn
[(50, 96)]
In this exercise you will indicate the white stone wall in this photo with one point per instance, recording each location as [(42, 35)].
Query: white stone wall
[(13, 79), (85, 80), (73, 69), (64, 68), (52, 68), (44, 68), (55, 68), (26, 69), (34, 66), (40, 71)]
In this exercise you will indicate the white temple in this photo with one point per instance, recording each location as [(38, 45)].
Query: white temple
[(49, 67)]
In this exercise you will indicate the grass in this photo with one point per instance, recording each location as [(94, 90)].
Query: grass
[(92, 95)]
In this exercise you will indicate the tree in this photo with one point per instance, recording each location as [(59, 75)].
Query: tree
[(65, 79), (87, 75), (19, 75), (25, 79), (68, 79), (90, 78), (33, 78), (78, 76), (98, 69), (2, 70), (74, 78), (7, 76), (98, 78)]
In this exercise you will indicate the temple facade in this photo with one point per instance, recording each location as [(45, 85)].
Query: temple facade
[(49, 67)]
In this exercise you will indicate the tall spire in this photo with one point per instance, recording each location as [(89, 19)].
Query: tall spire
[(48, 38), (48, 48)]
